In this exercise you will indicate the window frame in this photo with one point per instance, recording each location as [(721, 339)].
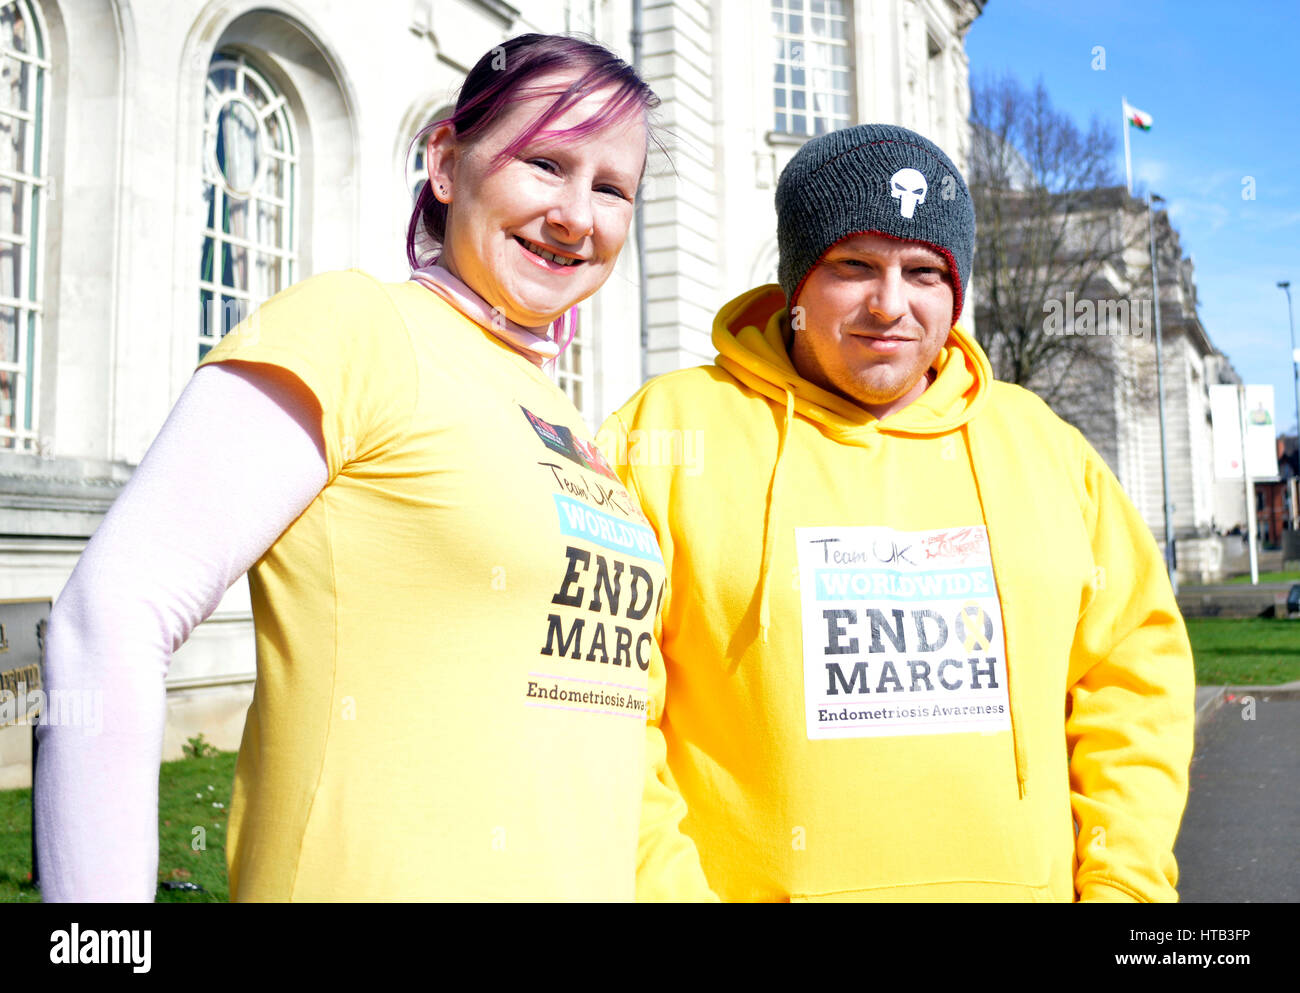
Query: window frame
[(572, 369), (789, 60), (28, 304), (222, 305)]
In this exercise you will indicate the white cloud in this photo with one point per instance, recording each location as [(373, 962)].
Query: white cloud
[(1207, 216), (1152, 171)]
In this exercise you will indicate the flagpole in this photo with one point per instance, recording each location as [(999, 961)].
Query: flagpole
[(1128, 158), (1160, 401)]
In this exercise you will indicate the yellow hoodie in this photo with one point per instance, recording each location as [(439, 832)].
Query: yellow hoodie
[(934, 657)]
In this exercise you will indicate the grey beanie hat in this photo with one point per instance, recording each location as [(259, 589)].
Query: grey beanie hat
[(872, 178)]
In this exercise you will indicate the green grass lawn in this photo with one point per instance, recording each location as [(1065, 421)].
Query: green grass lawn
[(1269, 577), (16, 847), (1251, 651), (187, 791)]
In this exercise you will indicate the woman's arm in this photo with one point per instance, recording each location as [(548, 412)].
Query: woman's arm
[(240, 457)]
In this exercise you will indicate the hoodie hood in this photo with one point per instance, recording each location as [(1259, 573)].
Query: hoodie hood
[(749, 334)]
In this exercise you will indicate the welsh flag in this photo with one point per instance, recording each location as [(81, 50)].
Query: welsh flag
[(1138, 118)]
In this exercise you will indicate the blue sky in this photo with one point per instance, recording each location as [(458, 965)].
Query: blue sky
[(1222, 83)]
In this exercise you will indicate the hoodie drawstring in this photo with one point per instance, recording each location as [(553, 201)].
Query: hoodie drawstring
[(764, 591), (1022, 763)]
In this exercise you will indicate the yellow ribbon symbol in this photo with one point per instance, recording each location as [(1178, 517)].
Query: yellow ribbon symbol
[(976, 628)]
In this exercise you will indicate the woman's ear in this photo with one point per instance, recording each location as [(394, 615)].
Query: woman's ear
[(442, 155)]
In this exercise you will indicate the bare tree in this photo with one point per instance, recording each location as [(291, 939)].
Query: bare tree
[(1056, 233)]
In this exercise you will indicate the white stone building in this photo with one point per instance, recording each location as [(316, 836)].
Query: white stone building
[(1191, 365), (165, 165), (1124, 423), (1091, 303)]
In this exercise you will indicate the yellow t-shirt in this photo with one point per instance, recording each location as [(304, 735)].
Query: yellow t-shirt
[(454, 640)]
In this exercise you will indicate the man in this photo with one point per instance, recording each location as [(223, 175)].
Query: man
[(919, 645)]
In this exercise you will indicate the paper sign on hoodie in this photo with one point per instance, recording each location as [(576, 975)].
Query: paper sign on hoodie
[(902, 632)]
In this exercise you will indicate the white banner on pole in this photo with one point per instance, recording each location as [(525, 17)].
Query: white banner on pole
[(1261, 432)]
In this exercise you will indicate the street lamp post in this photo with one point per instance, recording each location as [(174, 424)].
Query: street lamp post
[(1160, 393), (1285, 285)]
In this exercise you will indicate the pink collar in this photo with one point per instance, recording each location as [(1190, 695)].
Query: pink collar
[(534, 344)]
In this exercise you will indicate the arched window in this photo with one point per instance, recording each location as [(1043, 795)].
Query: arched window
[(250, 174), (24, 99)]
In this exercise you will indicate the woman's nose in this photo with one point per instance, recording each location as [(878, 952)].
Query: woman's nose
[(571, 213)]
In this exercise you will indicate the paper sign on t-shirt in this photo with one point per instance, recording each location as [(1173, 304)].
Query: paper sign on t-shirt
[(902, 632)]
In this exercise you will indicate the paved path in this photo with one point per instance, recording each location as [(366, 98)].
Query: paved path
[(1240, 838)]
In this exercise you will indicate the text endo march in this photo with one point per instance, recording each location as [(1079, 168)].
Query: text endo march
[(902, 632)]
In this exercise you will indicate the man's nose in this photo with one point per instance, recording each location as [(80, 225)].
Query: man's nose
[(886, 301), (571, 214)]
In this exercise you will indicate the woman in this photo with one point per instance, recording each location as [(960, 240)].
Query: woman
[(453, 596)]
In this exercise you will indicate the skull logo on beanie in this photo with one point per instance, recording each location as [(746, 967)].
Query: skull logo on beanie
[(872, 178), (900, 185)]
